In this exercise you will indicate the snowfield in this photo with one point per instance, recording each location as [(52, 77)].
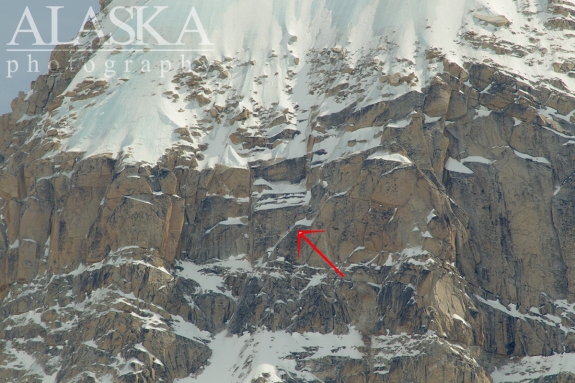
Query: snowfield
[(136, 120)]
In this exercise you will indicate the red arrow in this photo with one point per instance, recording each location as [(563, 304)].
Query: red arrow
[(301, 234)]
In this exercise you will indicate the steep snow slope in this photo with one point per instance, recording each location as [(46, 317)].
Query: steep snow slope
[(138, 119)]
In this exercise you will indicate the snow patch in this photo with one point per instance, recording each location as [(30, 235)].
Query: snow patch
[(532, 368), (453, 165), (240, 359), (541, 160), (477, 159), (386, 156)]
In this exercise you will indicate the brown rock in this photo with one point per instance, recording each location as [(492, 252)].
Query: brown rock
[(480, 75), (203, 100), (455, 70), (499, 97), (283, 119), (394, 79), (563, 103), (437, 99), (457, 106), (52, 132), (244, 115), (56, 103), (497, 20)]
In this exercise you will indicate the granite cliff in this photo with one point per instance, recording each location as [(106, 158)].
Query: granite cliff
[(149, 225)]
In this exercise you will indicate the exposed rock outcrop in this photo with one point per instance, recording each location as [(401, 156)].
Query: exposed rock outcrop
[(449, 208)]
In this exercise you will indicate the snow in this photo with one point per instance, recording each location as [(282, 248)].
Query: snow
[(401, 124), (531, 368), (388, 347), (138, 200), (280, 194), (210, 281), (135, 121), (429, 120), (188, 330), (562, 135), (116, 258), (20, 360), (283, 201), (229, 158), (483, 111), (152, 322), (316, 280), (431, 215), (386, 156), (230, 221), (304, 222), (457, 317), (239, 359), (408, 255), (453, 165), (337, 147), (541, 160), (26, 318), (477, 159), (534, 315)]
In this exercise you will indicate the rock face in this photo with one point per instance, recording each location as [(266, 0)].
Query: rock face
[(448, 207)]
